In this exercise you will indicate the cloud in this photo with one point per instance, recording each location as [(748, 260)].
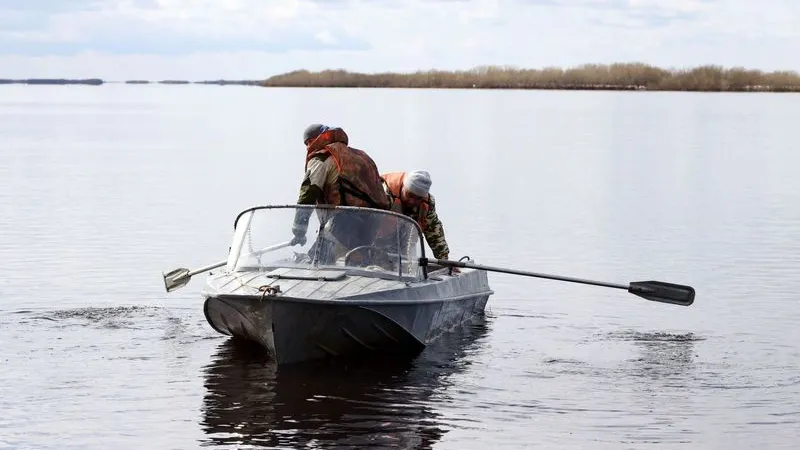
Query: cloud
[(170, 37), (166, 27), (155, 39), (49, 6)]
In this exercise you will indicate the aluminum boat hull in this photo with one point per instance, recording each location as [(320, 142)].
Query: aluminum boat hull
[(306, 315)]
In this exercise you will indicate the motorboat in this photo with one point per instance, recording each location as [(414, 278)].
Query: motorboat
[(358, 284)]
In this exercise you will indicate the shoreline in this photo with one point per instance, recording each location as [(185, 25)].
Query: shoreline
[(594, 77), (618, 76)]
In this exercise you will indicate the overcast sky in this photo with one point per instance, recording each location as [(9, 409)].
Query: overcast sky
[(253, 39)]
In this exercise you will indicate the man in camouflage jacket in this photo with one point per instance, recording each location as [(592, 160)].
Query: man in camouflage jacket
[(409, 194)]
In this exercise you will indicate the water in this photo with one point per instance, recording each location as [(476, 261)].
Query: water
[(103, 188)]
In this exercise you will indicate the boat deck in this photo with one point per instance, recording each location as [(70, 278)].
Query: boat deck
[(313, 284)]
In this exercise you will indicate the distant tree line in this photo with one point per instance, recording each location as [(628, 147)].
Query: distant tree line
[(619, 76), (90, 81)]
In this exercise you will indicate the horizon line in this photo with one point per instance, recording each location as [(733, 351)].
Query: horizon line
[(615, 76)]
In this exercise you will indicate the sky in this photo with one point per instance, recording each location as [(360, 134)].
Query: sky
[(254, 39)]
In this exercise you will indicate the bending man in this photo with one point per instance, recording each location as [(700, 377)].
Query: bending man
[(339, 175), (409, 194)]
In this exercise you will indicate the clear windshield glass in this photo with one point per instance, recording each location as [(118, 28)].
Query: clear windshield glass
[(343, 237)]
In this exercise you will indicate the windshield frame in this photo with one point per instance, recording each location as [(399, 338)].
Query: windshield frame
[(239, 231)]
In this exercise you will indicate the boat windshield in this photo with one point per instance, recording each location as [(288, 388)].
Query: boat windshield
[(366, 240)]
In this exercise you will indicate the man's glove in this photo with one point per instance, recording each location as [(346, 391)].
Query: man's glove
[(299, 226), (298, 239)]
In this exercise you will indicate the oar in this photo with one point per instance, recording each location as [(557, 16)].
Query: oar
[(178, 278), (657, 291)]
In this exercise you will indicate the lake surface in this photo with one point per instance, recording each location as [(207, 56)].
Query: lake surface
[(103, 188)]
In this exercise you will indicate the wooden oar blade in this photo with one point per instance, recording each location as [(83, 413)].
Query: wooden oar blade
[(660, 291), (176, 279)]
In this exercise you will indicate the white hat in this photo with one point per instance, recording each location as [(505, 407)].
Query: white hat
[(418, 182)]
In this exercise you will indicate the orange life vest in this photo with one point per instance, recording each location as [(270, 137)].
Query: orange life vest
[(358, 182), (394, 183)]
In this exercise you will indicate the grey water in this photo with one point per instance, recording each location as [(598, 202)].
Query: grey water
[(104, 188)]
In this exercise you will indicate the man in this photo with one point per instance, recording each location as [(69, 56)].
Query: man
[(409, 194), (339, 175)]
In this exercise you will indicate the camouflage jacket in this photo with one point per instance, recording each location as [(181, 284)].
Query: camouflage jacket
[(433, 230)]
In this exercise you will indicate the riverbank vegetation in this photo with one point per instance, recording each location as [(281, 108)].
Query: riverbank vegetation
[(87, 81), (632, 76)]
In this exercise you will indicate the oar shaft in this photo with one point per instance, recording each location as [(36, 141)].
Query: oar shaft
[(207, 268), (445, 262), (223, 262), (255, 253)]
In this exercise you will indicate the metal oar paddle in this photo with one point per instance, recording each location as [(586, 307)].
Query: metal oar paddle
[(657, 291)]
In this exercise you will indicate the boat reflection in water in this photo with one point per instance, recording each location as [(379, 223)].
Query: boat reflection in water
[(329, 404)]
